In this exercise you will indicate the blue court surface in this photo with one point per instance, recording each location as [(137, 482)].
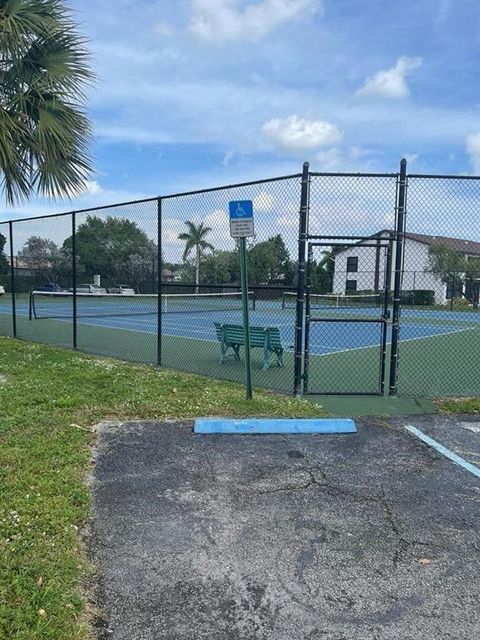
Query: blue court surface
[(325, 337)]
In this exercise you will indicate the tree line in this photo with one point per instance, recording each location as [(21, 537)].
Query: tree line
[(461, 274), (122, 253), (115, 248)]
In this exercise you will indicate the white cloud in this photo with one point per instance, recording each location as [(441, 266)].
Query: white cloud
[(92, 188), (229, 155), (357, 152), (263, 202), (391, 83), (93, 195), (298, 134), (330, 160), (221, 100), (336, 159), (218, 217), (89, 188), (289, 221), (172, 247), (411, 157), (220, 21), (472, 145), (163, 29)]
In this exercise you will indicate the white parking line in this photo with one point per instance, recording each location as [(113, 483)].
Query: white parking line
[(444, 451)]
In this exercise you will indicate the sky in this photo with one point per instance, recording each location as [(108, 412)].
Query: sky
[(198, 93)]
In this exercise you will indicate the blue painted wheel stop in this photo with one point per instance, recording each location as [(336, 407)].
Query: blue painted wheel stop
[(274, 425)]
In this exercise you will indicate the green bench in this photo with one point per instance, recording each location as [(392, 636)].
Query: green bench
[(231, 338)]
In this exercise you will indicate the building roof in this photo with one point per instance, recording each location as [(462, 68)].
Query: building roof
[(468, 247), (462, 246)]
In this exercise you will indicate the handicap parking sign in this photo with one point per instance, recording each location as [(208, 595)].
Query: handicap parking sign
[(241, 218)]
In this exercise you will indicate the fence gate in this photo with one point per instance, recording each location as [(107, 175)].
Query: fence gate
[(345, 348)]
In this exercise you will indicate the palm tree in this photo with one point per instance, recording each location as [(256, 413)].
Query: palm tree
[(195, 239), (43, 127)]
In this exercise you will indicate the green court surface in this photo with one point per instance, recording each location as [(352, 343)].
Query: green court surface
[(194, 356), (374, 405), (439, 364)]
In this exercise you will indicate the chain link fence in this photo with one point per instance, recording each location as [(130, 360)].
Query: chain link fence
[(7, 302), (190, 340), (440, 347), (352, 218), (157, 281)]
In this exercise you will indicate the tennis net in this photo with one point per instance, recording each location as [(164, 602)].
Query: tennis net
[(50, 304), (334, 300)]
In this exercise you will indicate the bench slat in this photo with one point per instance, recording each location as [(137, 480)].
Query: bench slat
[(231, 336)]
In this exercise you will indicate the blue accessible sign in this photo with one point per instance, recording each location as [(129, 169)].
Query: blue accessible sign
[(241, 218)]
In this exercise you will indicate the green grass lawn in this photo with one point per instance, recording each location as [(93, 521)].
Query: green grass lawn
[(49, 400), (458, 405)]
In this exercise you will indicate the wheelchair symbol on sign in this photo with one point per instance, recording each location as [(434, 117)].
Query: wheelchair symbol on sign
[(240, 211)]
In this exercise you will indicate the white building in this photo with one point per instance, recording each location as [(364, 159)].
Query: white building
[(363, 268)]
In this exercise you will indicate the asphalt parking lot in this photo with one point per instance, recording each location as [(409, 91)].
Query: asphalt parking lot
[(366, 536)]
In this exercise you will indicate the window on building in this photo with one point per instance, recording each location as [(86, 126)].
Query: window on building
[(351, 285), (352, 264)]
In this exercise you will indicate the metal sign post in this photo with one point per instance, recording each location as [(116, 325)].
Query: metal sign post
[(241, 226)]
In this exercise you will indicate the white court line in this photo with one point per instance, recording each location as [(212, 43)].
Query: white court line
[(122, 327), (444, 451), (119, 323), (204, 339), (376, 346)]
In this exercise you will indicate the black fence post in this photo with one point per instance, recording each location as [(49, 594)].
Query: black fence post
[(12, 281), (386, 302), (306, 364), (399, 239), (302, 240), (159, 282), (74, 280)]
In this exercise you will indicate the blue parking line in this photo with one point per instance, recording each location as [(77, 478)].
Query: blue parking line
[(444, 451)]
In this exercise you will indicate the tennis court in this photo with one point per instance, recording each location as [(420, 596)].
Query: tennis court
[(315, 233), (344, 356)]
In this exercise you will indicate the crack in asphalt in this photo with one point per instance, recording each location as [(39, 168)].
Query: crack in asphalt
[(302, 487), (403, 543)]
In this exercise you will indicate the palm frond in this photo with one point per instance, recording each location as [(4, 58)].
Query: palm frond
[(203, 231), (43, 70), (191, 227), (188, 248), (194, 238), (204, 245), (14, 138), (25, 20)]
